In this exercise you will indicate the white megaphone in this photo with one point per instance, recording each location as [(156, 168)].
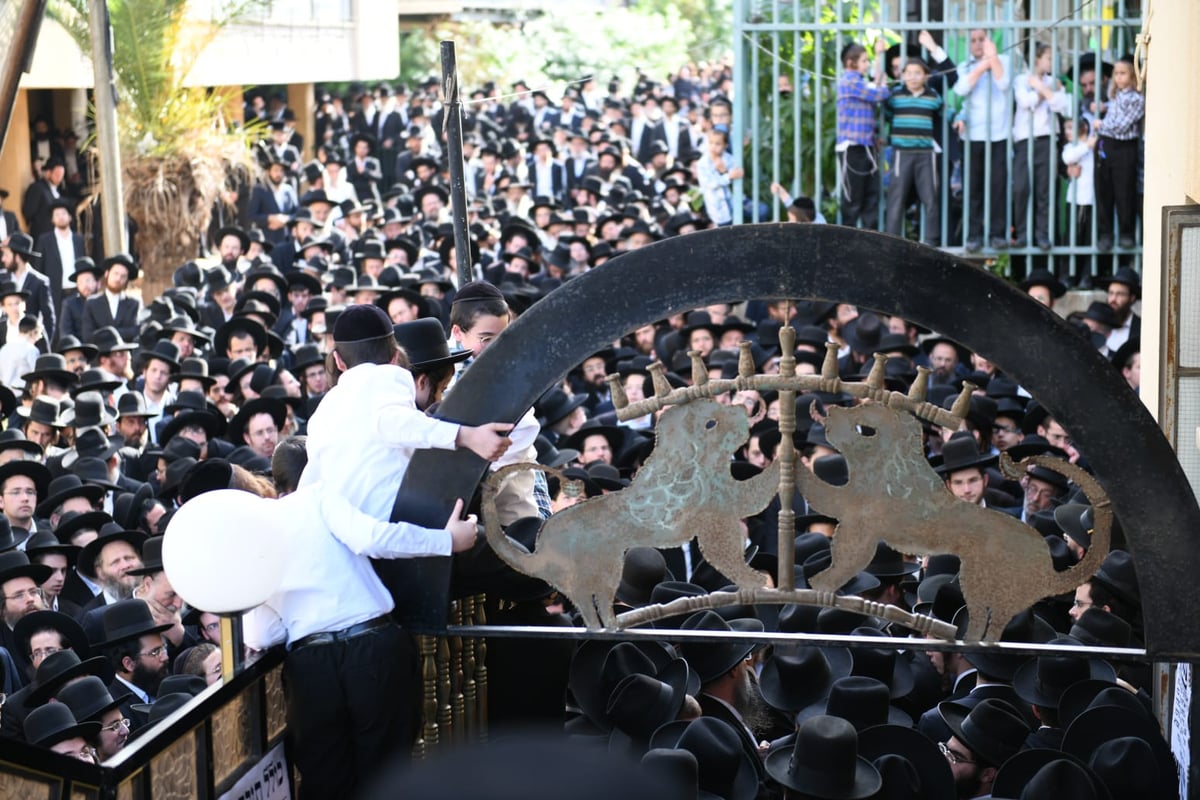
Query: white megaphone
[(225, 551)]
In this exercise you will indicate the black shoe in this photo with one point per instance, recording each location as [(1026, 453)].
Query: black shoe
[(973, 246), (1045, 244), (1085, 283), (1104, 244), (1127, 243), (998, 243)]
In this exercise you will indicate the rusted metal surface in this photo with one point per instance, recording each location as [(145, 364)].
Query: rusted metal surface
[(1128, 452), (683, 490)]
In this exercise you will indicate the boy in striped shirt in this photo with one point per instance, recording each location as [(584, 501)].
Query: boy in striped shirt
[(913, 109)]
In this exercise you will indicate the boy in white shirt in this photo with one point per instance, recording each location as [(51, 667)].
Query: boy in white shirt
[(19, 356), (1078, 154)]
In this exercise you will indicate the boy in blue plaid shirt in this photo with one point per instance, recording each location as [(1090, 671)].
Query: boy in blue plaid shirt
[(857, 101)]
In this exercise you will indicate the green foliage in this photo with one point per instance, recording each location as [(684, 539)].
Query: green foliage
[(710, 22), (808, 66)]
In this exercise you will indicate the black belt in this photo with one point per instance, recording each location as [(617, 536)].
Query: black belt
[(329, 637)]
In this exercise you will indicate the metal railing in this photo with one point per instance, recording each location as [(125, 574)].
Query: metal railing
[(786, 68)]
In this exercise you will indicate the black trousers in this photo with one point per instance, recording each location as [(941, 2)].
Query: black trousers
[(1116, 186), (860, 187), (914, 169), (1032, 175), (993, 185), (353, 707)]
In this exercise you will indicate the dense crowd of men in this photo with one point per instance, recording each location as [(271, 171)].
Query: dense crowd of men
[(327, 306)]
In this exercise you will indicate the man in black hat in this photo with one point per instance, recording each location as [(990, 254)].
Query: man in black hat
[(159, 366), (984, 737), (22, 485), (86, 281), (965, 470), (20, 586), (40, 196), (1123, 291), (109, 560), (90, 701), (60, 248), (113, 307), (272, 201), (136, 651), (16, 256)]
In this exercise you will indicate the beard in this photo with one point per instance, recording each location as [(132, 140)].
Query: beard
[(749, 703), (121, 588), (148, 679), (968, 786)]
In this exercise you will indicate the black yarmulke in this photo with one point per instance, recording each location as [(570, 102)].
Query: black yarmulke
[(360, 323)]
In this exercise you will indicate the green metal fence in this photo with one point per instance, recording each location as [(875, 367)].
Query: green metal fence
[(786, 69)]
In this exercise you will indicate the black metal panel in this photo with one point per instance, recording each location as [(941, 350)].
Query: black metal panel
[(1128, 451)]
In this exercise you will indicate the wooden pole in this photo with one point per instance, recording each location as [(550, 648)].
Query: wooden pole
[(454, 150), (17, 59), (109, 147)]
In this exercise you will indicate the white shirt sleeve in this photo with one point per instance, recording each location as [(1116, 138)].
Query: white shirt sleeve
[(262, 628), (367, 536)]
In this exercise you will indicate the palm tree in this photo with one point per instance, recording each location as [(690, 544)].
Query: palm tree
[(178, 144)]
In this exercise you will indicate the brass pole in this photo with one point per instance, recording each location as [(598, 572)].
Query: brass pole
[(787, 463)]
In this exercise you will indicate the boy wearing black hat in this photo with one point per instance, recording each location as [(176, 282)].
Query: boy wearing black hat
[(17, 254)]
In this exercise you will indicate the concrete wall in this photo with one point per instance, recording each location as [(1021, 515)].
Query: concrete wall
[(1172, 172)]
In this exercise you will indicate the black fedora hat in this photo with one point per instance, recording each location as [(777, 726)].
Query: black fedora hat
[(183, 324), (191, 408), (93, 470), (89, 699), (1117, 574), (84, 265), (889, 563), (45, 410), (1043, 277), (930, 342), (259, 405), (820, 560), (962, 452), (15, 564), (33, 470), (1124, 275), (196, 369), (108, 340), (932, 768), (68, 343), (726, 769), (643, 569), (173, 686), (36, 621), (598, 666), (53, 723), (555, 404), (1024, 627), (1101, 628), (1041, 681), (307, 355), (1103, 723), (63, 666), (45, 541), (1046, 774), (89, 411), (128, 619), (824, 762), (796, 676), (613, 434), (640, 704), (241, 326), (65, 487), (73, 522), (236, 232), (993, 729), (711, 660), (550, 456), (864, 333), (862, 701), (96, 380), (22, 243), (125, 260), (151, 556), (424, 340), (86, 563), (51, 366), (11, 538), (1131, 767)]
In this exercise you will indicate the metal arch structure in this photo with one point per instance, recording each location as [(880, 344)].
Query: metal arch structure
[(1129, 453)]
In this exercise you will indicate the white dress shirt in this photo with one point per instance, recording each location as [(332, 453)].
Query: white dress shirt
[(363, 434), (1035, 113), (66, 255), (328, 583)]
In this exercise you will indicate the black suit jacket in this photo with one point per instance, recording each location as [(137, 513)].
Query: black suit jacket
[(52, 266), (97, 314), (11, 225), (651, 133), (35, 207), (116, 689), (262, 206), (212, 316), (70, 317), (41, 301), (16, 709), (558, 177)]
